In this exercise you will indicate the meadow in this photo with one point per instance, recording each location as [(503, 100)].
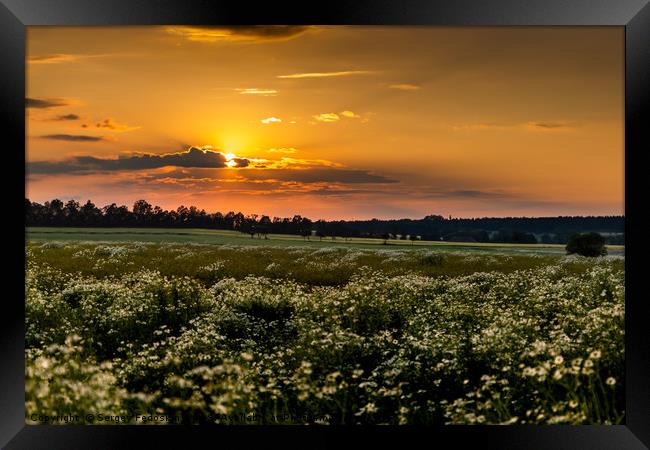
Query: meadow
[(227, 329)]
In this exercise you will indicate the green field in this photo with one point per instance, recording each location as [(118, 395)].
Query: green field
[(225, 237)]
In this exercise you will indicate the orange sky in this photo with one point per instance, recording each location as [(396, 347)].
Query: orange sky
[(329, 122)]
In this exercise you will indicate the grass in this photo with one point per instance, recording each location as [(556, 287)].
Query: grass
[(226, 237), (312, 265)]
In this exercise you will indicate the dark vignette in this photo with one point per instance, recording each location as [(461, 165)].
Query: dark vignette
[(634, 14)]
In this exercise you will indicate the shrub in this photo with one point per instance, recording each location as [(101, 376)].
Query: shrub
[(586, 244)]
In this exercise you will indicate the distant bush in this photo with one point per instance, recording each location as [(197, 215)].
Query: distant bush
[(587, 244)]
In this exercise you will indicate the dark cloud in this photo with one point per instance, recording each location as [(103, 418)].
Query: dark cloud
[(73, 137), (319, 175), (473, 194), (67, 117), (45, 102), (269, 31), (192, 158), (110, 124), (550, 125), (241, 162)]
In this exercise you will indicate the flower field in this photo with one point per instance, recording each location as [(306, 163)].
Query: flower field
[(263, 335)]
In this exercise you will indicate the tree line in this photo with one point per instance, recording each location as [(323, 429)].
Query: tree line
[(56, 213)]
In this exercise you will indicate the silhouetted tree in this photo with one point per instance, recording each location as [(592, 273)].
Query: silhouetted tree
[(586, 244)]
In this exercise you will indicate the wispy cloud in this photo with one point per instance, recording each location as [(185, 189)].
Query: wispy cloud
[(44, 103), (57, 58), (289, 150), (528, 126), (405, 87), (327, 74), (53, 59), (256, 91), (550, 126), (269, 120), (66, 117), (257, 33), (110, 124), (73, 138)]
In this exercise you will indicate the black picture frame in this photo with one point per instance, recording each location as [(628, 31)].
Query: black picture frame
[(633, 15)]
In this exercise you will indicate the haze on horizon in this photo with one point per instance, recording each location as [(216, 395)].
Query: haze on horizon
[(331, 122)]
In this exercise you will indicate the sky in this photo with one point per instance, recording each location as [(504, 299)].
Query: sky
[(329, 122)]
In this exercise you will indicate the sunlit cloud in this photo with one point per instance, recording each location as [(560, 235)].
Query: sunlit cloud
[(327, 117), (255, 33), (269, 120), (350, 115), (335, 117), (286, 162), (326, 74), (53, 59), (405, 87), (282, 150), (58, 58), (256, 91)]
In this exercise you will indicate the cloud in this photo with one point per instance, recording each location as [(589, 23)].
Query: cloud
[(260, 179), (286, 162), (549, 126), (66, 117), (256, 91), (256, 33), (73, 138), (326, 74), (194, 157), (528, 126), (405, 87), (282, 150), (271, 120), (473, 194), (334, 117), (350, 115), (327, 117), (56, 58), (110, 124), (52, 59), (43, 103), (319, 175)]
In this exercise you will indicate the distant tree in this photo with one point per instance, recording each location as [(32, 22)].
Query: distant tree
[(385, 237), (71, 212), (142, 212), (586, 244), (89, 214)]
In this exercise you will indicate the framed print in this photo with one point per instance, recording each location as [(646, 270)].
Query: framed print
[(360, 223)]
